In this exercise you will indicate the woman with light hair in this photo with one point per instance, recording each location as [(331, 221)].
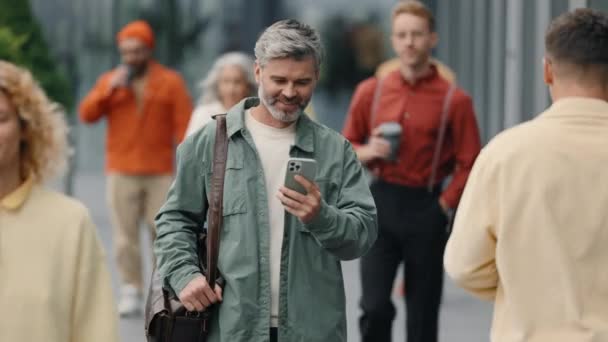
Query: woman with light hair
[(230, 80), (55, 283)]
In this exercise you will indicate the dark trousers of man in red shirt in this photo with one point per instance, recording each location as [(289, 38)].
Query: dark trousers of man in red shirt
[(413, 230)]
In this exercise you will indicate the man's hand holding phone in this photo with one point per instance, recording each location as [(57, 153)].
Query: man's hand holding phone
[(300, 196), (121, 77), (305, 207)]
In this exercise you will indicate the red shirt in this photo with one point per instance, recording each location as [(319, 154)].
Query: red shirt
[(418, 108)]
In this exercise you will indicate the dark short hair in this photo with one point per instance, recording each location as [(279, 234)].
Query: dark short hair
[(580, 39)]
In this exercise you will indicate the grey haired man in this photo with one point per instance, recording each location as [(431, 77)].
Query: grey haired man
[(280, 251)]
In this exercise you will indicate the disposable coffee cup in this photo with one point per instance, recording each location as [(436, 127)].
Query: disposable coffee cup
[(391, 131)]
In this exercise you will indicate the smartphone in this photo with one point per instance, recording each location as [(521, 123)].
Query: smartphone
[(130, 75), (304, 167)]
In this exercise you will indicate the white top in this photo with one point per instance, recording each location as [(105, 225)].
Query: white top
[(273, 150), (202, 116)]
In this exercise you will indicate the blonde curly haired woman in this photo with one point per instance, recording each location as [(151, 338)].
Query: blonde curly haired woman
[(55, 285)]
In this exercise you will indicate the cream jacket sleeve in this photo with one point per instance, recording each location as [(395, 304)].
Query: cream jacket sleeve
[(470, 256)]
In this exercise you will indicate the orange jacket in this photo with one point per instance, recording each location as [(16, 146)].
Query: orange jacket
[(141, 143)]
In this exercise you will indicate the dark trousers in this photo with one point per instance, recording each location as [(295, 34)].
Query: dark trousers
[(412, 230), (274, 335)]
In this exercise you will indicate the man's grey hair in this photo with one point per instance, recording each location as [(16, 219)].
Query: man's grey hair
[(289, 39), (209, 85)]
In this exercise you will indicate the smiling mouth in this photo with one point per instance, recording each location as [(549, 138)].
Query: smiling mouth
[(290, 105)]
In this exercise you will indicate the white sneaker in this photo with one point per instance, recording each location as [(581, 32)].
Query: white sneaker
[(131, 302)]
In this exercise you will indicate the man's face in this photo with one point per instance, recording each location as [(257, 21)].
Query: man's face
[(135, 54), (412, 39), (286, 86)]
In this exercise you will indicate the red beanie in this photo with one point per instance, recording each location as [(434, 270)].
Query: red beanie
[(137, 29)]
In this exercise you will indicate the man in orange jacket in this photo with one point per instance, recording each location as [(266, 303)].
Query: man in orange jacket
[(147, 107)]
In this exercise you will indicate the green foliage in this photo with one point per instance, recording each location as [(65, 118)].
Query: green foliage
[(10, 45), (22, 43)]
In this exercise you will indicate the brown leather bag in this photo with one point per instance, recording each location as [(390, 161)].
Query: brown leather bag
[(167, 320)]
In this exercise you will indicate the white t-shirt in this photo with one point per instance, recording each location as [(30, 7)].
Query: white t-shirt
[(273, 146)]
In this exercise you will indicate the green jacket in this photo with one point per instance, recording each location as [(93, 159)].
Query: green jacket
[(312, 299)]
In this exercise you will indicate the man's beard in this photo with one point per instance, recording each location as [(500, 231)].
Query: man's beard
[(137, 70), (276, 113)]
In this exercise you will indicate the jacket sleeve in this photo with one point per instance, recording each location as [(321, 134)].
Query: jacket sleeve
[(94, 317), (357, 125), (467, 144), (470, 256), (95, 104), (180, 219), (348, 229)]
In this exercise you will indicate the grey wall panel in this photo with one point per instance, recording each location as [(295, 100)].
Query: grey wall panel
[(598, 4), (466, 44), (514, 63), (541, 21), (496, 69), (559, 6), (529, 63), (577, 3), (480, 63)]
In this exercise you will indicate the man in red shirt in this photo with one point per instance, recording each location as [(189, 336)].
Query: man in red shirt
[(439, 138)]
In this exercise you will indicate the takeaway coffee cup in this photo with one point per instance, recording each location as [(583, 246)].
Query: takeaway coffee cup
[(391, 131)]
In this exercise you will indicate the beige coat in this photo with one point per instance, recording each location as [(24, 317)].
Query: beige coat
[(531, 231), (54, 282)]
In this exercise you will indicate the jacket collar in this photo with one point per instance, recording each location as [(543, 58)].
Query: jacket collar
[(17, 198), (305, 127)]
